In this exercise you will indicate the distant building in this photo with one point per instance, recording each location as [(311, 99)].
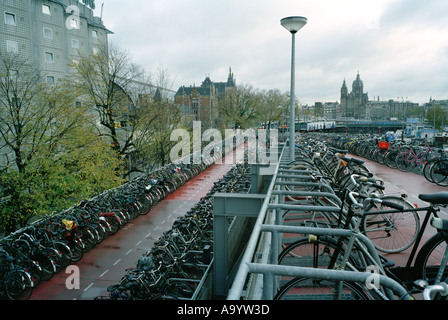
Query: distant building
[(50, 34), (202, 102), (354, 104)]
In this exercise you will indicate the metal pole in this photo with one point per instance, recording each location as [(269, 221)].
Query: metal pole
[(291, 107)]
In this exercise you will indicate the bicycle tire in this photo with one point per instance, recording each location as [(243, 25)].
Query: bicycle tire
[(114, 224), (439, 172), (18, 285), (320, 289), (427, 170), (389, 159), (77, 250), (47, 264), (180, 289), (317, 253), (403, 163), (428, 259), (64, 250), (391, 232)]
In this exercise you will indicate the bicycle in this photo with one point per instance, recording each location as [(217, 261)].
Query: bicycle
[(15, 282), (409, 160)]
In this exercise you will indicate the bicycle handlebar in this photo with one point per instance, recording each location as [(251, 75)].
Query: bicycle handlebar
[(377, 200), (393, 205), (366, 180)]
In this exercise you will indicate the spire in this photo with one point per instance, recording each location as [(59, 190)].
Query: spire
[(230, 79)]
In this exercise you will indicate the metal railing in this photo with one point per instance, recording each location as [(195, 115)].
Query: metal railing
[(258, 273)]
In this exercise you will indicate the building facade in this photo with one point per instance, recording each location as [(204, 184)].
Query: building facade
[(51, 34), (202, 102)]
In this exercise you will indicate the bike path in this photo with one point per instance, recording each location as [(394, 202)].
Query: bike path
[(107, 262)]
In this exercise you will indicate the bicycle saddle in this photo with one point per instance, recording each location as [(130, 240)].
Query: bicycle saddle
[(357, 161), (438, 198), (339, 150)]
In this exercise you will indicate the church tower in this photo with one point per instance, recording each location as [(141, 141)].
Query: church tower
[(358, 91), (230, 79), (344, 97)]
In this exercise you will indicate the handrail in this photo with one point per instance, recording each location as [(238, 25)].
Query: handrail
[(273, 228)]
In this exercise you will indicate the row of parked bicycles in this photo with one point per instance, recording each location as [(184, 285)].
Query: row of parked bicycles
[(415, 155), (40, 250), (358, 229), (177, 262)]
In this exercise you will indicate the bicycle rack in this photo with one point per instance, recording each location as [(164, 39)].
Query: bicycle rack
[(256, 275)]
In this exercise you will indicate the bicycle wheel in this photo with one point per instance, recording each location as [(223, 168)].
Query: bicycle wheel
[(321, 289), (428, 260), (379, 155), (18, 285), (405, 162), (77, 250), (391, 232), (427, 170), (439, 172), (180, 289), (389, 159), (317, 253), (66, 253), (47, 264)]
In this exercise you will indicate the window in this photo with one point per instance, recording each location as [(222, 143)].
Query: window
[(75, 43), (94, 34), (48, 57), (46, 9), (48, 33), (50, 79), (10, 19), (12, 46)]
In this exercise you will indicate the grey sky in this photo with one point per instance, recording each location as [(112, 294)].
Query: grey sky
[(399, 47)]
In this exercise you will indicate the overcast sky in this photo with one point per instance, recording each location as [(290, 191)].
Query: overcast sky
[(399, 47)]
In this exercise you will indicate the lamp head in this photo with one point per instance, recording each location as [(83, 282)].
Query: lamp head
[(293, 24)]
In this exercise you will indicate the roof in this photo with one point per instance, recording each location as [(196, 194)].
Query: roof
[(203, 91)]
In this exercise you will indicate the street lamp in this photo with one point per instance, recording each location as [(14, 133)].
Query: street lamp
[(292, 24)]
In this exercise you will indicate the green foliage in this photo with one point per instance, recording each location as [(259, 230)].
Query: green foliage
[(54, 182), (440, 116)]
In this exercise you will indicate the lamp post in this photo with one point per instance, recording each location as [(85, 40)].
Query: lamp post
[(292, 24)]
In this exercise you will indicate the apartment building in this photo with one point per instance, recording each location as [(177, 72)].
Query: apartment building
[(50, 34)]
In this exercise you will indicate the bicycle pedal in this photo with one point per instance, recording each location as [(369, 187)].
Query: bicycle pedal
[(388, 263)]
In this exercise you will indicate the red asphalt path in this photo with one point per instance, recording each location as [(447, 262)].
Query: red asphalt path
[(106, 263)]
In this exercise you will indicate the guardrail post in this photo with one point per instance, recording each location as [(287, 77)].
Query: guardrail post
[(225, 206)]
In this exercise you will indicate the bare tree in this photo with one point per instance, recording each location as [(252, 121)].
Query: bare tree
[(273, 105), (240, 106), (33, 115), (109, 81)]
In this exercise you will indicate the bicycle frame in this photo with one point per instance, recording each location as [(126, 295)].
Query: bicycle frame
[(418, 157)]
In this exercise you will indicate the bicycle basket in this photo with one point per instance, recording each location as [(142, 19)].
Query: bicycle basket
[(383, 144)]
